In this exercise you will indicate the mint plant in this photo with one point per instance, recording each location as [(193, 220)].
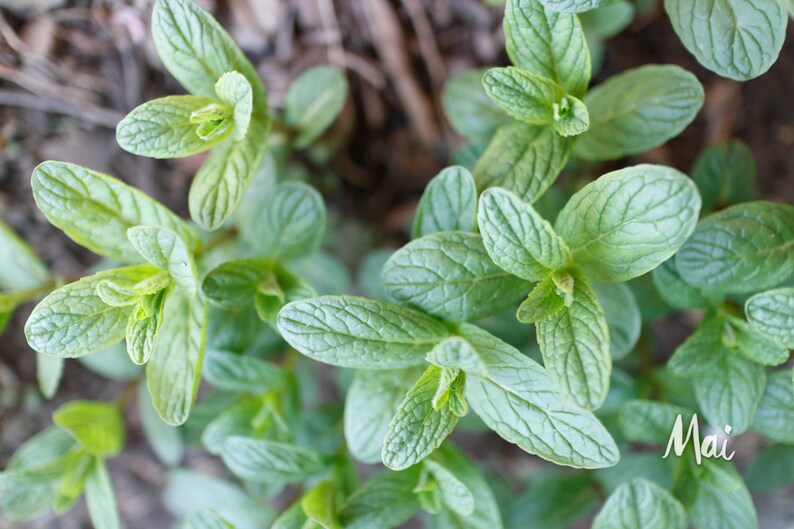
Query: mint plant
[(520, 307)]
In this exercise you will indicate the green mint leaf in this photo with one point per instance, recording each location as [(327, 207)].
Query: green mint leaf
[(574, 342), (517, 399), (21, 269), (449, 203), (49, 370), (535, 99), (754, 345), (721, 499), (313, 102), (628, 222), (738, 39), (96, 210), (235, 90), (198, 51), (236, 421), (544, 301), (173, 372), (290, 223), (454, 493), (292, 518), (417, 428), (575, 6), (234, 372), (772, 469), (456, 353), (205, 519), (386, 501), (772, 313), (222, 180), (517, 238), (775, 416), (350, 331), (234, 284), (167, 251), (371, 403), (553, 502), (608, 20), (124, 292), (701, 350), (638, 110), (523, 159), (548, 44), (450, 275), (100, 498), (164, 128), (468, 108), (73, 321), (164, 440), (261, 461), (725, 174), (674, 290), (113, 363), (650, 422), (641, 503), (744, 248), (143, 325), (730, 391), (319, 505), (97, 426), (623, 317)]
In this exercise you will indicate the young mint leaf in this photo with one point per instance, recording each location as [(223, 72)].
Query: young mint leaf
[(197, 51), (222, 180), (234, 372), (418, 428), (100, 498), (730, 391), (517, 399), (236, 421), (674, 290), (517, 238), (775, 416), (649, 421), (754, 345), (575, 6), (97, 426), (772, 313), (167, 251), (313, 102), (725, 174), (468, 108), (319, 505), (73, 321), (143, 325), (454, 493), (720, 498), (548, 44), (234, 284), (350, 331), (291, 222), (21, 269), (744, 248), (292, 518), (638, 110), (49, 370), (772, 469), (641, 503), (205, 519), (449, 203), (544, 301), (628, 222), (174, 371), (386, 501), (164, 440), (261, 461), (96, 210), (371, 403), (738, 39), (163, 128), (574, 342), (450, 275), (235, 90), (623, 317), (536, 100), (701, 349)]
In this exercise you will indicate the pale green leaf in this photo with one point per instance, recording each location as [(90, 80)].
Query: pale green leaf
[(450, 275), (97, 426), (260, 460), (725, 174), (650, 422), (738, 39), (96, 210), (21, 269), (386, 501), (449, 203), (313, 102), (523, 159), (629, 221), (454, 493), (173, 373), (754, 345), (235, 90), (675, 291), (772, 469), (166, 250), (49, 370), (775, 416), (608, 20), (638, 110), (517, 238), (544, 301), (164, 440), (623, 317), (143, 325), (548, 44), (319, 505), (235, 421), (575, 6), (721, 499), (234, 372), (744, 248), (100, 498), (772, 313), (468, 108), (641, 503), (205, 519)]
